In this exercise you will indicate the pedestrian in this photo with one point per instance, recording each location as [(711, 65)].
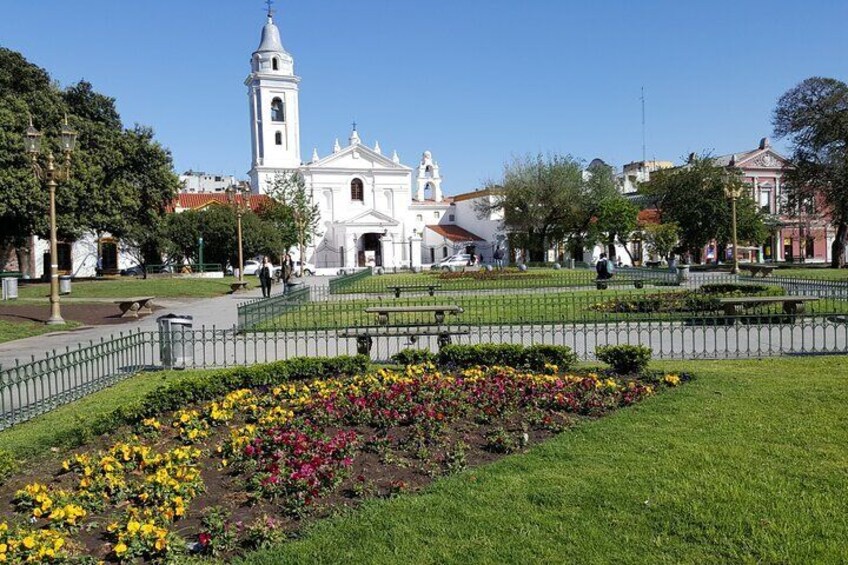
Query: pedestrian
[(265, 275), (98, 268), (499, 256), (288, 268), (604, 267)]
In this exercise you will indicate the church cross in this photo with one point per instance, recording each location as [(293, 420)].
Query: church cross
[(270, 3), (354, 125)]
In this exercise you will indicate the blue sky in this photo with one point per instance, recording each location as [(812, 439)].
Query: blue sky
[(475, 82)]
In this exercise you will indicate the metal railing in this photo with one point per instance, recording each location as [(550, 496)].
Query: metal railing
[(342, 282), (309, 322)]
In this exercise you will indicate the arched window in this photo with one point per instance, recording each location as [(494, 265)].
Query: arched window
[(278, 110), (357, 190), (278, 138), (274, 64)]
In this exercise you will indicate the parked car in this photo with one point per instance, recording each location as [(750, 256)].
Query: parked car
[(458, 260), (308, 269), (251, 266), (134, 271)]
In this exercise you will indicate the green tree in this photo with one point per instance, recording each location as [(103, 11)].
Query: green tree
[(289, 189), (694, 197), (661, 239), (814, 116), (541, 201), (280, 216)]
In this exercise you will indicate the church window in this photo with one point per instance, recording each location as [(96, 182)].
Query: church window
[(419, 218), (278, 138), (436, 215), (278, 110), (444, 252), (274, 64), (452, 218), (357, 190), (427, 169)]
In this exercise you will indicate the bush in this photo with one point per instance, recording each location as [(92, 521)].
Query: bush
[(462, 356), (412, 356), (534, 357), (537, 356), (734, 289), (8, 464), (625, 359)]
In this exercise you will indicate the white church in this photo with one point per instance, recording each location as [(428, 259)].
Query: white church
[(375, 211)]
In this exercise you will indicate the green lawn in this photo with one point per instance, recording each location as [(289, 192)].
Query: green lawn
[(131, 286), (747, 464), (10, 331), (501, 308), (818, 274), (510, 278)]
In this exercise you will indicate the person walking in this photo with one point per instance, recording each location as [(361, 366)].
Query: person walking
[(265, 275), (499, 256), (604, 267)]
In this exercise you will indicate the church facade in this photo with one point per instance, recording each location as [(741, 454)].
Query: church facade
[(375, 210)]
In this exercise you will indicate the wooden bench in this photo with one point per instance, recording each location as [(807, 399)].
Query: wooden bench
[(602, 284), (365, 335), (440, 311), (791, 304), (132, 307), (238, 285), (430, 288), (764, 270)]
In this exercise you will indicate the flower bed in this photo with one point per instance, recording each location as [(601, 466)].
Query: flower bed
[(703, 300), (245, 469)]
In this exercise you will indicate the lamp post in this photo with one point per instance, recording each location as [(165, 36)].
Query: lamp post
[(239, 198), (733, 191), (51, 174), (200, 253)]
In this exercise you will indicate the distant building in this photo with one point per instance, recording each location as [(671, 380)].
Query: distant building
[(199, 181), (637, 172)]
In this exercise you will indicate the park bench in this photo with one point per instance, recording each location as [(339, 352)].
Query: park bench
[(439, 311), (365, 335), (132, 307), (238, 285), (430, 288), (602, 284), (791, 304), (764, 270)]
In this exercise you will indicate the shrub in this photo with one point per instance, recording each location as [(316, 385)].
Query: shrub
[(412, 356), (734, 289), (537, 356), (625, 359), (461, 356), (8, 464)]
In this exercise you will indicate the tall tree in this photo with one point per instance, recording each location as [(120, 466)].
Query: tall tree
[(290, 190), (814, 116), (281, 217), (694, 197), (540, 200)]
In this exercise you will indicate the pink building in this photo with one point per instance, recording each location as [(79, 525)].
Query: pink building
[(801, 235)]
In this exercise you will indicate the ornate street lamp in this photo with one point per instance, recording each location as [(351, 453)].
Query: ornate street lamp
[(32, 142), (239, 199), (734, 191)]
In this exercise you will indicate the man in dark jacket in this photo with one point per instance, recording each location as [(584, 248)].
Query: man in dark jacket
[(602, 267)]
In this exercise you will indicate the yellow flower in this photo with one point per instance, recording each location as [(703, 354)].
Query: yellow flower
[(120, 548), (672, 380), (161, 543), (29, 542), (133, 526)]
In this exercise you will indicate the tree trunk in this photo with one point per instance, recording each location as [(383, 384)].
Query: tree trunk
[(837, 249)]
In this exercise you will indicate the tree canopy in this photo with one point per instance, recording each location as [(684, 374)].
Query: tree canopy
[(814, 117), (122, 179), (694, 197)]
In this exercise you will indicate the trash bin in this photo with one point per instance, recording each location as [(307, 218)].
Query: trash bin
[(682, 273), (64, 284), (10, 288), (175, 340)]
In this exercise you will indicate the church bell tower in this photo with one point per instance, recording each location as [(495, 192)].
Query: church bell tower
[(272, 89)]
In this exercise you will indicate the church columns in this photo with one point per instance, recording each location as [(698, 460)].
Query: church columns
[(351, 247), (387, 250), (415, 249)]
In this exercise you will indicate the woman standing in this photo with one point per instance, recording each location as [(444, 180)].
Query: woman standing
[(265, 273)]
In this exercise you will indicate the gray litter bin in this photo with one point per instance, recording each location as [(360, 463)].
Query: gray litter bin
[(64, 284), (175, 340), (10, 288)]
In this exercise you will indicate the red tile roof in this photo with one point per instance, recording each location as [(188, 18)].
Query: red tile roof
[(454, 233), (648, 216), (195, 200)]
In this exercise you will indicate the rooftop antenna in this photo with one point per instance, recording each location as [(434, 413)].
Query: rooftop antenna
[(644, 149)]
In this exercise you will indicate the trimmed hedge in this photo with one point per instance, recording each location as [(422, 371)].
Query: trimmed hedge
[(625, 359), (534, 357), (410, 356)]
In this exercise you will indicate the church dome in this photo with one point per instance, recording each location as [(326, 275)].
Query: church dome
[(270, 42)]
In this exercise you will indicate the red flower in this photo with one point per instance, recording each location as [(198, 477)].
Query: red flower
[(204, 538)]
